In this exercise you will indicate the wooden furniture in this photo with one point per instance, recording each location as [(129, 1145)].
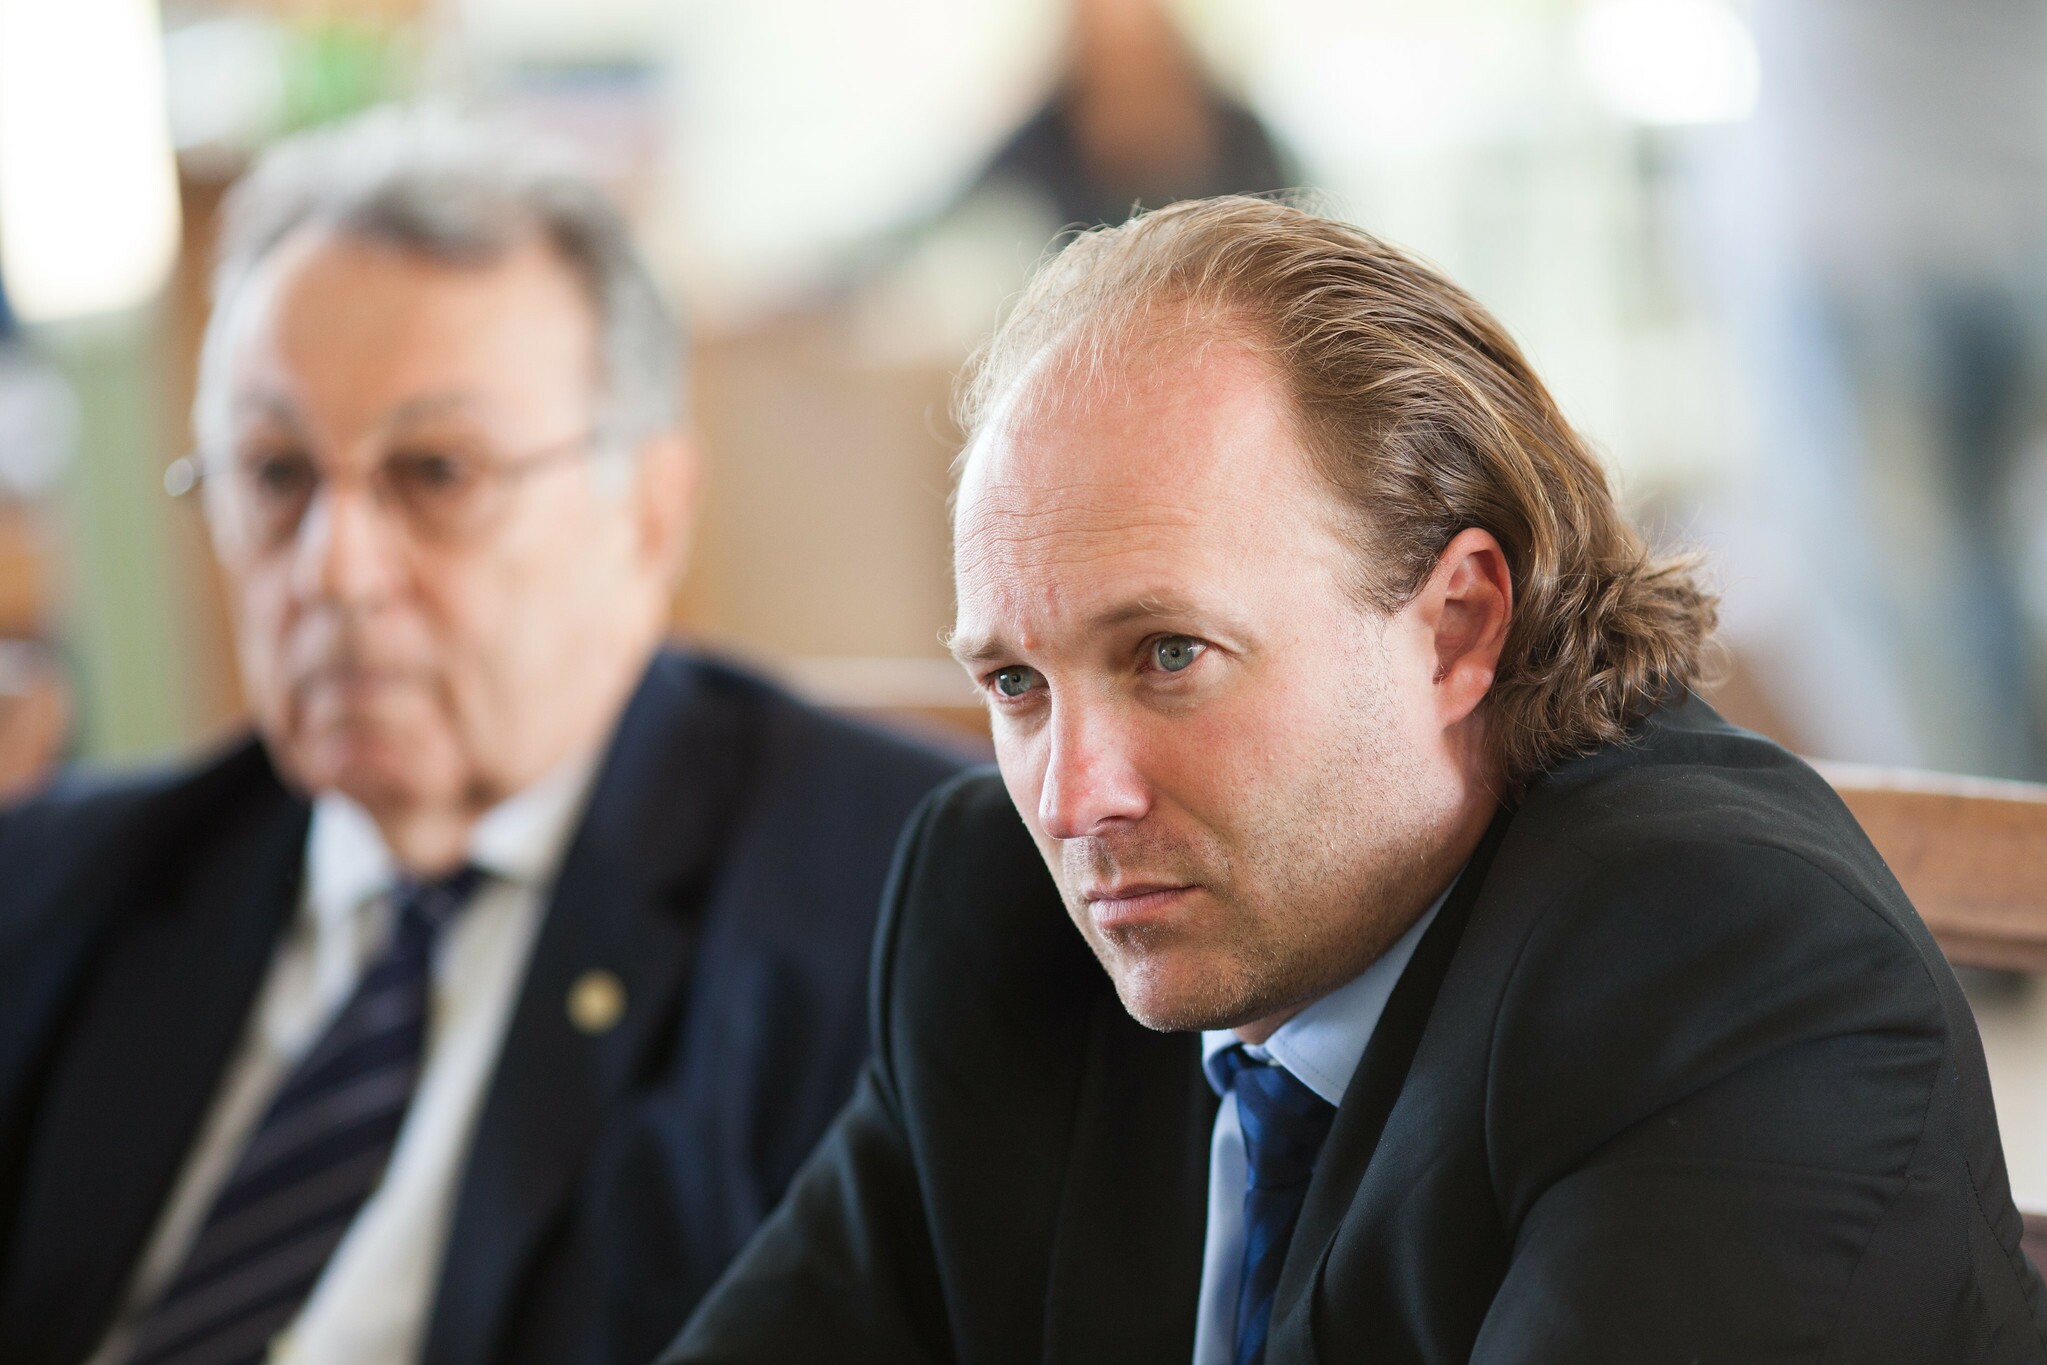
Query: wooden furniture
[(1970, 852)]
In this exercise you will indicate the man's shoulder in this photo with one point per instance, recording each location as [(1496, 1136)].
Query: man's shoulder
[(1698, 873), (1692, 791), (967, 843), (973, 811), (91, 822), (88, 803), (1703, 874), (799, 736), (805, 807), (1695, 928), (976, 925)]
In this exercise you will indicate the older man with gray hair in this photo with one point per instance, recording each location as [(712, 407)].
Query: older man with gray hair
[(478, 1006)]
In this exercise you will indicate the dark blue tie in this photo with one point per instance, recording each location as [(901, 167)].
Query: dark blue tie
[(1284, 1124), (317, 1155)]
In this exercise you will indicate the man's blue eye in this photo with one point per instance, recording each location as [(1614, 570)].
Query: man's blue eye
[(1175, 652), (1014, 682)]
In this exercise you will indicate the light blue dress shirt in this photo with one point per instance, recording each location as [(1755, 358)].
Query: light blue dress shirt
[(1320, 1047)]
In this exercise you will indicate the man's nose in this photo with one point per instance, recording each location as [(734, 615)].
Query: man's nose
[(1091, 777), (348, 546)]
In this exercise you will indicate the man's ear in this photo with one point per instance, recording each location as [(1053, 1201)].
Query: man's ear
[(670, 477), (1467, 606)]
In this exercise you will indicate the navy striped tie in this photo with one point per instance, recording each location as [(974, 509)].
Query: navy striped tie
[(317, 1155), (1284, 1124)]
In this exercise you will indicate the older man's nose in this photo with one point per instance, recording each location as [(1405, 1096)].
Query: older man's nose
[(348, 547), (1090, 779)]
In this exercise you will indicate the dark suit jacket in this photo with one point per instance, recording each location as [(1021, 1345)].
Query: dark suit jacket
[(728, 871), (1677, 1075)]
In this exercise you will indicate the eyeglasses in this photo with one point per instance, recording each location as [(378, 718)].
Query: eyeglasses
[(440, 496)]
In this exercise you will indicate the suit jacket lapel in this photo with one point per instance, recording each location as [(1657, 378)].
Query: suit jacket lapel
[(1126, 1257), (641, 862), (162, 1015), (1381, 1075)]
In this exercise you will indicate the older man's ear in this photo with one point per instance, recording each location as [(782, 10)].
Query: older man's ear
[(670, 480)]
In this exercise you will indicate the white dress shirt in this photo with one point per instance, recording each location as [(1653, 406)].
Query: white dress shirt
[(1320, 1047), (371, 1304)]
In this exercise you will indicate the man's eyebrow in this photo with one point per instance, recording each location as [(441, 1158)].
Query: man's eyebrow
[(456, 404), (982, 649), (275, 407), (1150, 607), (279, 408)]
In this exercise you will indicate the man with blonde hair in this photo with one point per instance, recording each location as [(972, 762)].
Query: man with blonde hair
[(1451, 984)]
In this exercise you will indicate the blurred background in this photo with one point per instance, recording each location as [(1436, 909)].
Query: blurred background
[(1785, 261)]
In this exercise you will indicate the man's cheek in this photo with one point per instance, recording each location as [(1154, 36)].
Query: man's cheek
[(265, 679)]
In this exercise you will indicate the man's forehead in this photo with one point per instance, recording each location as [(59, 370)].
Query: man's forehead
[(1141, 420), (260, 398), (1184, 485), (403, 338), (1076, 540), (1160, 441)]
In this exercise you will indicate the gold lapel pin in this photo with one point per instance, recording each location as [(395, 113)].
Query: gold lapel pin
[(596, 1002)]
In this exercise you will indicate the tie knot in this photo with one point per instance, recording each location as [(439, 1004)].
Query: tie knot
[(425, 907), (1284, 1122)]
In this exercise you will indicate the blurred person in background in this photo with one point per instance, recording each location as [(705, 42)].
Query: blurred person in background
[(1132, 116), (1134, 120), (478, 1006), (1884, 219)]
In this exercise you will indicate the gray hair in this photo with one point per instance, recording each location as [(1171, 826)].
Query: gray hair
[(459, 190)]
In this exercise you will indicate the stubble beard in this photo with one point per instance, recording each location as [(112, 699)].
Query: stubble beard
[(1145, 961), (1307, 889)]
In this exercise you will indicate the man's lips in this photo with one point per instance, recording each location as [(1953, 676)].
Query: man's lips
[(1127, 904)]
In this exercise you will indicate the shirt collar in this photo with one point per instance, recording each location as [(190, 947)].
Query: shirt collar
[(1322, 1045), (521, 840)]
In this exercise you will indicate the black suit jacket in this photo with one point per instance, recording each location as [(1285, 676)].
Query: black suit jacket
[(728, 870), (1676, 1076)]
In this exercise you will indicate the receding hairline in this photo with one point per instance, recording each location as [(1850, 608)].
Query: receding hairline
[(1075, 374), (1101, 353)]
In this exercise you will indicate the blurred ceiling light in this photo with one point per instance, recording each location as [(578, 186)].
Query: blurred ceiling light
[(88, 185), (1670, 61), (807, 130), (1391, 90)]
